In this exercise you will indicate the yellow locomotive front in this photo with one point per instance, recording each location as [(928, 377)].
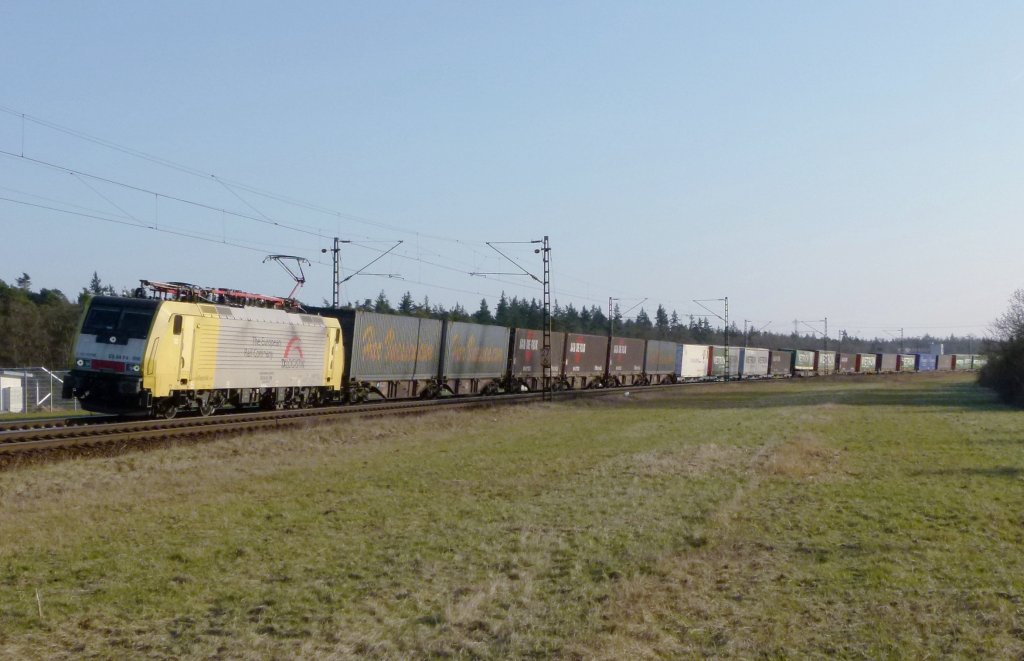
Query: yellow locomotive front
[(199, 356)]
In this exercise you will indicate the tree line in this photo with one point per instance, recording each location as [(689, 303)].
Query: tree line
[(37, 328)]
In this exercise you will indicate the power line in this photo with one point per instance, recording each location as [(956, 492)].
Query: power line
[(147, 191)]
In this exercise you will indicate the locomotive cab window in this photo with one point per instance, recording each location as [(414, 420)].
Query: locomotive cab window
[(177, 324), (101, 320), (119, 322)]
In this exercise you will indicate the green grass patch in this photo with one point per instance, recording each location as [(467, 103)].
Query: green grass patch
[(845, 517)]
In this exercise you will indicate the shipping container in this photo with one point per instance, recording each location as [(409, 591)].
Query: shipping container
[(693, 361), (926, 362), (392, 355), (962, 361), (803, 362), (907, 362), (978, 362), (719, 362), (867, 363), (475, 357), (780, 363), (527, 367), (886, 362), (825, 362), (847, 363), (626, 361), (753, 363), (660, 361), (944, 362), (585, 357)]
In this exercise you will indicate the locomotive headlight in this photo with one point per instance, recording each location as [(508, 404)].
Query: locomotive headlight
[(135, 368), (80, 362)]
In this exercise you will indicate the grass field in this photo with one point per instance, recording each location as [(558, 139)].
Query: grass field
[(861, 517)]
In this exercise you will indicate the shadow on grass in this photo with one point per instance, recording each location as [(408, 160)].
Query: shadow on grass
[(964, 396), (1011, 472)]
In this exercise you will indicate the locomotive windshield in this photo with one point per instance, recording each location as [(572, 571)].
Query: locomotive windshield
[(109, 318)]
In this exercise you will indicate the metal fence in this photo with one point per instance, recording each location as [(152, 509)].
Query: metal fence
[(31, 389)]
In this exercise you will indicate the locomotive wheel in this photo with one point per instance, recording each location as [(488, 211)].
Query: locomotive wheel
[(206, 408), (166, 409)]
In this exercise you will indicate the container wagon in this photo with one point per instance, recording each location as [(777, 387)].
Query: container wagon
[(388, 355), (867, 363), (475, 358), (660, 361), (825, 362), (625, 362), (718, 362), (585, 360), (907, 362), (962, 361), (693, 362), (780, 364), (886, 362), (754, 363), (802, 362), (526, 369), (847, 363)]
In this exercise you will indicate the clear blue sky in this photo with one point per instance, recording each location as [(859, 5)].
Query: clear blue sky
[(861, 161)]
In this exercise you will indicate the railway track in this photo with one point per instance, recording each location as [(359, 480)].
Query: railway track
[(39, 437), (21, 437)]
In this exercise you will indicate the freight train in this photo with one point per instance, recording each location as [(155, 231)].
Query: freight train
[(185, 348)]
